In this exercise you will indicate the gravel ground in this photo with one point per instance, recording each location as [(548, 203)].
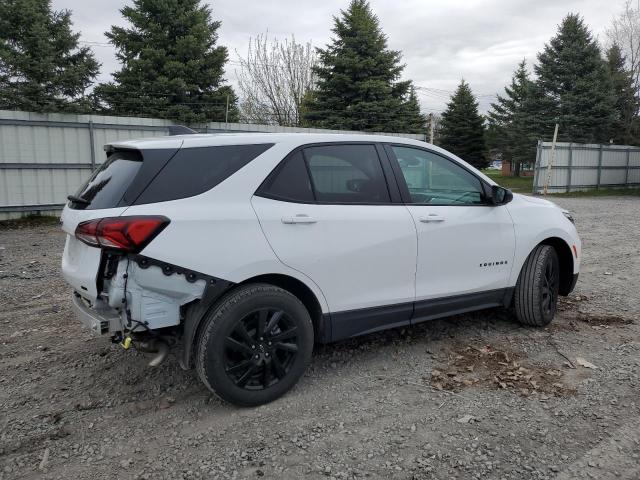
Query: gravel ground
[(473, 396)]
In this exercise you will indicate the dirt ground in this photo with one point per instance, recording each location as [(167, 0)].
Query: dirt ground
[(473, 396)]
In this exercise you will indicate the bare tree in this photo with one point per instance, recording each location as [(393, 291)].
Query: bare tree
[(625, 32), (274, 79)]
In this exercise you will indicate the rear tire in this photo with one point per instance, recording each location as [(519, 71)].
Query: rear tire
[(536, 293), (254, 345)]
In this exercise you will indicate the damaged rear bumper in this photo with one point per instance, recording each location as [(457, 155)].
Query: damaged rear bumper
[(101, 321), (137, 294)]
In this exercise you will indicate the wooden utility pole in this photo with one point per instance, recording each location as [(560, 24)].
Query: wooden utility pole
[(551, 160), (431, 128), (226, 115)]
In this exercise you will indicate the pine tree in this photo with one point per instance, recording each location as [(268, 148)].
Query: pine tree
[(462, 128), (42, 69), (359, 85), (624, 126), (171, 66), (512, 121), (410, 119), (575, 87)]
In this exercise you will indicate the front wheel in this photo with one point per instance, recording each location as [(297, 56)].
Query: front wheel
[(254, 345), (536, 293)]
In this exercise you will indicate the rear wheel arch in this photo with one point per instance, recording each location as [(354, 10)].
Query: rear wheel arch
[(196, 311), (299, 289)]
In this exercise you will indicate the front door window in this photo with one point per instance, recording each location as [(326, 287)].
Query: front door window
[(434, 180)]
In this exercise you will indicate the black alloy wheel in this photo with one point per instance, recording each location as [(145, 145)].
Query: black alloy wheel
[(254, 344), (261, 348)]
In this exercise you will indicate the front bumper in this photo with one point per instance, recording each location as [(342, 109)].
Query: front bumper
[(101, 321)]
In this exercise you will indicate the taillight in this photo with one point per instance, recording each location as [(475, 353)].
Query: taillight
[(130, 234)]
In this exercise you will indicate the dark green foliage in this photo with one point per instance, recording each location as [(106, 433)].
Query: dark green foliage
[(462, 128), (411, 121), (42, 69), (358, 84), (512, 121), (171, 67), (575, 87), (624, 129)]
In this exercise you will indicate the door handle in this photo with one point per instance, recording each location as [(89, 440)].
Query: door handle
[(432, 218), (300, 218)]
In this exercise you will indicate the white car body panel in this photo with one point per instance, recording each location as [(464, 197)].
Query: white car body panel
[(535, 220), (453, 253), (360, 255), (220, 239)]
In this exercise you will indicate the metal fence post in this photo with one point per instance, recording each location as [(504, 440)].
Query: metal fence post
[(626, 175), (92, 146), (570, 167), (599, 167)]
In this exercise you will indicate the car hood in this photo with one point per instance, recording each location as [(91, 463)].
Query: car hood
[(536, 200)]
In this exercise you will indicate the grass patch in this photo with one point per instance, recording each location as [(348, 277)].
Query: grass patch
[(525, 185), (515, 184), (603, 192), (29, 221)]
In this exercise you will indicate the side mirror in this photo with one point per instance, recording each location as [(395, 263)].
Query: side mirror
[(500, 195)]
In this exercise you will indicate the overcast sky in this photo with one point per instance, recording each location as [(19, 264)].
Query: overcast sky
[(441, 40)]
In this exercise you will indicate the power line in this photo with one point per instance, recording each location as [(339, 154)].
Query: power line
[(95, 44), (443, 92)]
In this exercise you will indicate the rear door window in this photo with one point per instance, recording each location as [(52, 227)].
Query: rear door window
[(109, 182), (346, 174)]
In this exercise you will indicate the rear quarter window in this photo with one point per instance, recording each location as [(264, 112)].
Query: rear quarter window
[(193, 171)]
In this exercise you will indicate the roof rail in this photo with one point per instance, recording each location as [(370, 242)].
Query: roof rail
[(180, 130)]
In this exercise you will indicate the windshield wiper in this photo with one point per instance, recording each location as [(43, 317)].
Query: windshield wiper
[(80, 200)]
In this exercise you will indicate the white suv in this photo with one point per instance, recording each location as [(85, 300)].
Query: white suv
[(239, 251)]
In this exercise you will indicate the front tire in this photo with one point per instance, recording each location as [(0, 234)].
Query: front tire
[(254, 345), (536, 293)]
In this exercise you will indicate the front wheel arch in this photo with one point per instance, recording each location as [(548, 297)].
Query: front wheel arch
[(566, 260)]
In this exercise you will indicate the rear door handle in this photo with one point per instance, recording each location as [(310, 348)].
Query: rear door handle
[(432, 218), (300, 218)]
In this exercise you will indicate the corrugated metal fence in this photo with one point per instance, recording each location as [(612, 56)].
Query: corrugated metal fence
[(580, 166), (45, 157)]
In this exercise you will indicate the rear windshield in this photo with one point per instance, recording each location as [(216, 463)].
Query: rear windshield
[(109, 182), (126, 179)]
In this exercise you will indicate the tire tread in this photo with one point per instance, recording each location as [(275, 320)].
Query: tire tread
[(527, 297)]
